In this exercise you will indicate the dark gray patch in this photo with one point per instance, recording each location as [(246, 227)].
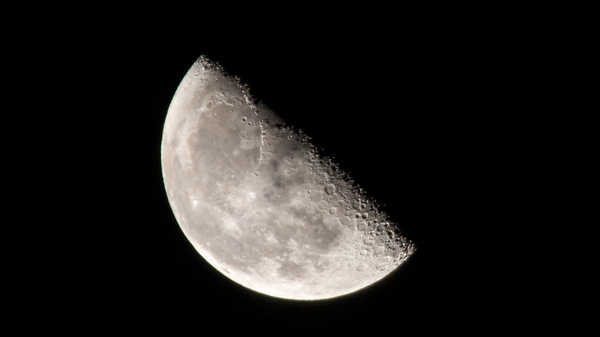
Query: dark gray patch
[(275, 165), (291, 270)]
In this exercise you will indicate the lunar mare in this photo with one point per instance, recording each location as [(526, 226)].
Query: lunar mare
[(260, 204)]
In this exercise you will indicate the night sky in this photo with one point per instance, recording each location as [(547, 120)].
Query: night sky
[(472, 127)]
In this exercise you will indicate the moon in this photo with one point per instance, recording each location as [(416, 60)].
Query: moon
[(258, 201)]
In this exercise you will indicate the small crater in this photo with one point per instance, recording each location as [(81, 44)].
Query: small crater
[(332, 210), (244, 119), (346, 221), (330, 189), (243, 134), (362, 226), (209, 105), (320, 179), (323, 205)]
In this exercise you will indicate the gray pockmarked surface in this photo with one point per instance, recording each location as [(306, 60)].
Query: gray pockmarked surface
[(260, 204)]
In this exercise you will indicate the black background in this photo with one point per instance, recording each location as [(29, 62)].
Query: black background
[(473, 127)]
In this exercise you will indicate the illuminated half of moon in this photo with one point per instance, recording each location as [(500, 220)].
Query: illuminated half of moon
[(260, 204)]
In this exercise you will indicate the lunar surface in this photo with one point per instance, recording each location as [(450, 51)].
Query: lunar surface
[(258, 201)]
